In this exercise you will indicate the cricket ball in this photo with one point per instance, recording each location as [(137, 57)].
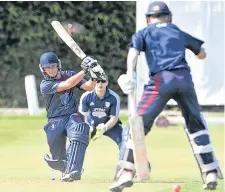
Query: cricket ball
[(176, 188)]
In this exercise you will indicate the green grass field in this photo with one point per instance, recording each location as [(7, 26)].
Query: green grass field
[(22, 168)]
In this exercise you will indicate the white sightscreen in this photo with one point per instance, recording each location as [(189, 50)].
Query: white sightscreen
[(204, 20)]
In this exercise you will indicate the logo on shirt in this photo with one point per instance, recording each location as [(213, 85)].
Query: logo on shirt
[(64, 97), (98, 112), (107, 104), (92, 103)]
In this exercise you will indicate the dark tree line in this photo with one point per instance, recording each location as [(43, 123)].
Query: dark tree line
[(26, 33)]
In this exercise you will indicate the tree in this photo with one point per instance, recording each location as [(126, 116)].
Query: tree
[(26, 33)]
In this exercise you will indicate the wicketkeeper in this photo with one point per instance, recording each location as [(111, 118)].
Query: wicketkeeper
[(101, 108), (64, 121), (164, 45)]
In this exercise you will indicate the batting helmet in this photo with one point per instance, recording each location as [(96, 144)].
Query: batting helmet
[(157, 7), (48, 59)]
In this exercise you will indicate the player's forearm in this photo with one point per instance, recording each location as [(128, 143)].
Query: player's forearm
[(89, 85), (86, 119), (132, 58), (111, 122), (71, 82)]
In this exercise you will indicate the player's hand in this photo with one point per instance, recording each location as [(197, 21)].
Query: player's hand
[(201, 54), (100, 130), (127, 83), (87, 63)]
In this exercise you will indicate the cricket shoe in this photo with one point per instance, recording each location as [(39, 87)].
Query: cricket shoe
[(211, 181), (135, 175), (70, 177), (124, 180)]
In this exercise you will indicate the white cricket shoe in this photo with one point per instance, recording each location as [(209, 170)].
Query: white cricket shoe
[(211, 181), (124, 180), (73, 176)]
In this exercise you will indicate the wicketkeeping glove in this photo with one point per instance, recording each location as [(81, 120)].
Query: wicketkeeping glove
[(100, 130)]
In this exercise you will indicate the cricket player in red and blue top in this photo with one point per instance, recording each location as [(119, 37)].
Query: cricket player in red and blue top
[(164, 45)]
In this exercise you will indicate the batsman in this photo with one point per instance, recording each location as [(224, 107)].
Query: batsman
[(58, 89), (164, 45)]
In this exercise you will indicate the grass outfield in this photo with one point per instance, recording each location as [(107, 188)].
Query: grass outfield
[(22, 169)]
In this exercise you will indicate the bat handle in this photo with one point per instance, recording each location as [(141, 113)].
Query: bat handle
[(132, 108), (83, 55)]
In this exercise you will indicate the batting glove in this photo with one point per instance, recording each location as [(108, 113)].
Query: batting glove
[(97, 73), (87, 63), (100, 130), (127, 83)]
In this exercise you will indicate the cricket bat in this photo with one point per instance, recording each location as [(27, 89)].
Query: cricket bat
[(67, 39), (65, 36), (138, 140)]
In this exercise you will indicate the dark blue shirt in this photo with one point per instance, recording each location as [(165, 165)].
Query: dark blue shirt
[(164, 45), (62, 103), (100, 110)]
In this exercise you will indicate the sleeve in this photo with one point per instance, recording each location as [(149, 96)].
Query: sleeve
[(137, 41), (70, 74), (84, 105), (115, 108), (192, 43), (49, 87), (81, 83)]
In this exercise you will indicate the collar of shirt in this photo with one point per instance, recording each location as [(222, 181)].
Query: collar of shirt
[(107, 94)]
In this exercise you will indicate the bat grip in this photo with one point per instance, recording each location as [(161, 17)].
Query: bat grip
[(83, 55), (132, 108)]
